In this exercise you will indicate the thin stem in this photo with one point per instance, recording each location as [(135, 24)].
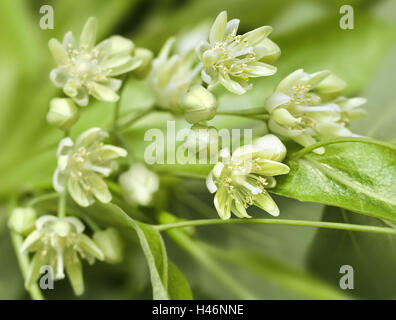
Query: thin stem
[(245, 112), (49, 196), (62, 205), (126, 125), (92, 224), (341, 140), (316, 224), (23, 261)]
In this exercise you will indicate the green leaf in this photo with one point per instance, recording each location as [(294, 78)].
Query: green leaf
[(162, 271), (358, 176), (178, 287), (371, 256)]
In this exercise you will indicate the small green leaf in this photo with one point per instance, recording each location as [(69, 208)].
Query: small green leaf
[(178, 287), (358, 176)]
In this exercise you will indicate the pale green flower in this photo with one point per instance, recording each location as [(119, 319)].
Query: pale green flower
[(241, 180), (85, 69), (22, 220), (82, 166), (306, 106), (60, 243), (63, 113), (198, 104), (139, 184), (111, 244), (172, 75), (232, 59)]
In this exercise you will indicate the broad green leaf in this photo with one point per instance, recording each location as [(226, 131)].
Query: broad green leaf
[(358, 176), (371, 256), (178, 287)]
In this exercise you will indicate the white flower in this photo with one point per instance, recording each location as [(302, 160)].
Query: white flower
[(139, 184), (60, 243), (232, 59), (82, 166), (84, 68), (171, 76), (307, 106), (241, 180)]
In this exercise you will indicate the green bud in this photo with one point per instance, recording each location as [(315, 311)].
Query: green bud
[(111, 244), (198, 104), (202, 137), (22, 220), (146, 56), (331, 87), (62, 113)]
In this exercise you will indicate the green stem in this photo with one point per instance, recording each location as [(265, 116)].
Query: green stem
[(341, 140), (92, 224), (62, 205), (316, 224), (23, 261), (125, 126), (244, 112), (49, 196)]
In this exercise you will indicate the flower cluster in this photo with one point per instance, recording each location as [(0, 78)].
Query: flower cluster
[(306, 106), (172, 75), (232, 59), (82, 166), (241, 180), (60, 243), (85, 69)]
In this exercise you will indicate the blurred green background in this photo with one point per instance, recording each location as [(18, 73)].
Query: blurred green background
[(265, 262)]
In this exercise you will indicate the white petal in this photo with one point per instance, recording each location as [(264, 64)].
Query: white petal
[(58, 51), (218, 28), (88, 34), (59, 77), (210, 183), (102, 92)]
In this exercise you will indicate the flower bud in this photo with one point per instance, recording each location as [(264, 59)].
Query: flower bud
[(198, 104), (146, 57), (111, 244), (139, 185), (62, 113), (22, 220), (202, 137)]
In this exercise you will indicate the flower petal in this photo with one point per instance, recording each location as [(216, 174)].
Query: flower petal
[(259, 69), (265, 202), (78, 194), (59, 77), (88, 34), (102, 92), (75, 275), (58, 51), (222, 202), (218, 28)]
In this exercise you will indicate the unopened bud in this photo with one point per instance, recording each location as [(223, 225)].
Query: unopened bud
[(146, 56), (111, 244), (202, 137), (22, 220), (63, 113), (198, 104)]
